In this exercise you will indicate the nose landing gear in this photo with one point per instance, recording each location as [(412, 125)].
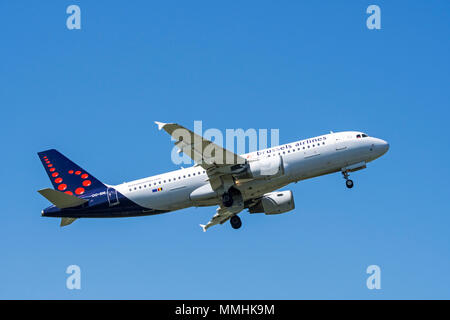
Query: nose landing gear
[(348, 182)]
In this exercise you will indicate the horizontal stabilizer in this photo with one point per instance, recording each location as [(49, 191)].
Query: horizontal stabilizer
[(67, 221), (60, 199)]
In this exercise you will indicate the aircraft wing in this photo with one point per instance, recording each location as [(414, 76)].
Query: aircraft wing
[(222, 215), (217, 161)]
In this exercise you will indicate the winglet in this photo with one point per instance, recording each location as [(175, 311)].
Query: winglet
[(160, 124), (203, 227)]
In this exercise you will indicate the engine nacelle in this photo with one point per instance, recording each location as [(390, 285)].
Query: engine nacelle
[(264, 168), (274, 203)]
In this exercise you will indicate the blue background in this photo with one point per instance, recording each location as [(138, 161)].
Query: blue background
[(305, 68)]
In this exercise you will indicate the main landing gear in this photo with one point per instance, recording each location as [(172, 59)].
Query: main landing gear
[(227, 199), (235, 222), (348, 182), (231, 197), (232, 200)]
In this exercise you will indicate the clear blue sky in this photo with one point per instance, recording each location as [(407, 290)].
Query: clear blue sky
[(305, 68)]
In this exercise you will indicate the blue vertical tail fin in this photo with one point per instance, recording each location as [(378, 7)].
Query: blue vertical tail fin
[(66, 176)]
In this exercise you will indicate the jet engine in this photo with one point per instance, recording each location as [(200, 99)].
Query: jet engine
[(274, 203)]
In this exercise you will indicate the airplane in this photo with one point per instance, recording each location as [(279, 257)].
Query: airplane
[(248, 181)]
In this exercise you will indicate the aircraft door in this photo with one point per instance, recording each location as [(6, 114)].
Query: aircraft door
[(341, 144), (113, 198)]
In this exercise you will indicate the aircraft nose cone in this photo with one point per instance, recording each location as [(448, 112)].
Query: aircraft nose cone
[(382, 146), (386, 146)]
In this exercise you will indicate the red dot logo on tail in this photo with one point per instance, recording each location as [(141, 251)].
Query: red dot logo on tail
[(87, 183)]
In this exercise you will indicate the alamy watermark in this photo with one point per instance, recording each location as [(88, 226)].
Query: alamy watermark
[(74, 280), (74, 20), (374, 20), (374, 280), (236, 141)]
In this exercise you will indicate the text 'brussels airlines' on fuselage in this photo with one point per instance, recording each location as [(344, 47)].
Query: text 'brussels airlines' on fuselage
[(249, 181)]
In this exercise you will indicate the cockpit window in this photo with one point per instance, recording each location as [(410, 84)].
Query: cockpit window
[(358, 136), (364, 135)]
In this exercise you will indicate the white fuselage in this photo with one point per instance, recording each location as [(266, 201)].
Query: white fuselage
[(302, 159)]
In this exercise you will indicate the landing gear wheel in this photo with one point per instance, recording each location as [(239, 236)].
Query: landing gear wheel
[(235, 222), (227, 199), (349, 183)]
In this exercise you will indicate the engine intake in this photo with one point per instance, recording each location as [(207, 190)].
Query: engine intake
[(274, 203)]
